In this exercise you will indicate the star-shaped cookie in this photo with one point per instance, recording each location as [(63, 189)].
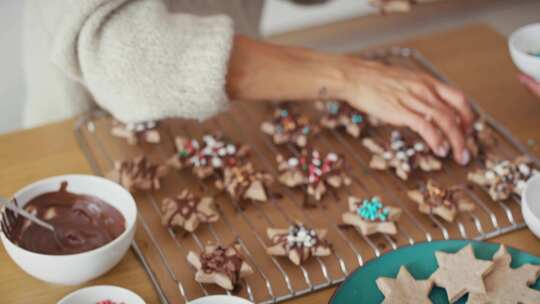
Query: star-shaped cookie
[(244, 183), (289, 127), (136, 132), (502, 178), (371, 216), (138, 174), (314, 172), (404, 289), (188, 211), (339, 115), (506, 285), (444, 202), (298, 243), (220, 265), (209, 157), (460, 273), (402, 155)]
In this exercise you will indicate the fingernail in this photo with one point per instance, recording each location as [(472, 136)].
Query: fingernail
[(465, 157), (443, 149)]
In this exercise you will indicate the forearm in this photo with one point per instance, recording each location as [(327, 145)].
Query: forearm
[(262, 71)]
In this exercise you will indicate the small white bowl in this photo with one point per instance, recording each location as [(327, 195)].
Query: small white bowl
[(530, 204), (526, 39), (94, 294), (220, 299), (77, 268)]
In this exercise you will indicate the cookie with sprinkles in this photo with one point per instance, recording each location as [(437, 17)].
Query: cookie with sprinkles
[(298, 243), (209, 157), (288, 127), (401, 154), (502, 178), (243, 182), (371, 216), (481, 139), (136, 132), (188, 211), (444, 202), (221, 265), (340, 115), (314, 172)]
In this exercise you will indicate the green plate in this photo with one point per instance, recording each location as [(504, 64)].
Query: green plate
[(419, 259)]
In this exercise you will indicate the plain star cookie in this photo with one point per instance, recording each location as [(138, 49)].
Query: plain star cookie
[(371, 216), (506, 285), (404, 289), (460, 273), (223, 266), (444, 202)]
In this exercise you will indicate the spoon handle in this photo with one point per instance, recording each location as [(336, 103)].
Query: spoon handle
[(25, 214)]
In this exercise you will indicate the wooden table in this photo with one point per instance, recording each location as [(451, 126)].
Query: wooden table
[(475, 58)]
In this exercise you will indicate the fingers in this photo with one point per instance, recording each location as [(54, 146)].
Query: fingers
[(443, 117), (426, 130), (530, 83), (457, 100)]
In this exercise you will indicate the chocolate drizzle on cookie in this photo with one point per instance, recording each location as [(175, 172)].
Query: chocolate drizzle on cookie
[(224, 260), (188, 211), (138, 173)]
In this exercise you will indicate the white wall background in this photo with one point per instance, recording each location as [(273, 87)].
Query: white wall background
[(11, 81)]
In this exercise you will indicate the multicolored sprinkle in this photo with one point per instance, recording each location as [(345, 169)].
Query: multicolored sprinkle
[(373, 210)]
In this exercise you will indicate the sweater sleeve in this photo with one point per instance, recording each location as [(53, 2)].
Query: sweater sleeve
[(141, 62)]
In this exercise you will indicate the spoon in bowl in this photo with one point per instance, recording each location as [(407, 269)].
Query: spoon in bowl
[(20, 211)]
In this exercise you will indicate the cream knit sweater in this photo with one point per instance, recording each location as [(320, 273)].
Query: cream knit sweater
[(138, 59)]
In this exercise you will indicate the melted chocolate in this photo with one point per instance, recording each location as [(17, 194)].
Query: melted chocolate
[(82, 223)]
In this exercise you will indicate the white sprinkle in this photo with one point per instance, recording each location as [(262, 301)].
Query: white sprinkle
[(501, 170), (524, 169), (401, 155), (332, 157), (195, 144), (410, 152), (231, 149), (311, 179), (419, 146), (398, 144), (139, 127), (490, 175), (315, 154), (478, 126), (222, 152), (216, 162), (292, 162), (520, 185), (387, 155), (316, 162), (151, 124)]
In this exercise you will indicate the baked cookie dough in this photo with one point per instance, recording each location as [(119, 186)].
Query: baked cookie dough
[(502, 178), (314, 172), (136, 132), (188, 211), (371, 216), (298, 243), (444, 202), (340, 115), (402, 155), (289, 127), (138, 174), (220, 265)]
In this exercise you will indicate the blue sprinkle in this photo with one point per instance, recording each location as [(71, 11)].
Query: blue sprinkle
[(284, 113), (305, 130), (333, 107), (357, 118)]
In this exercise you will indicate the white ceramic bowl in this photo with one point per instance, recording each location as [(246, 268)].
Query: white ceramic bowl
[(522, 41), (94, 294), (220, 299), (530, 204), (81, 267)]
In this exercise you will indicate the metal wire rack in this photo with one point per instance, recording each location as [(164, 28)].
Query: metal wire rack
[(163, 251)]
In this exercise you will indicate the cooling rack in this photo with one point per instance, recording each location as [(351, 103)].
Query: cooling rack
[(163, 251)]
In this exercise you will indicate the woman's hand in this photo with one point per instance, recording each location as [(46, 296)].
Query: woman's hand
[(439, 113)]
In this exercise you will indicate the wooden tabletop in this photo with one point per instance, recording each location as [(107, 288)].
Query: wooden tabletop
[(475, 58)]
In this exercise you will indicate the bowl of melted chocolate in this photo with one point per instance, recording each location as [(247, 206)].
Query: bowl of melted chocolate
[(94, 221)]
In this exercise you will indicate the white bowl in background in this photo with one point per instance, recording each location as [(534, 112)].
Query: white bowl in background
[(530, 204), (220, 299), (523, 40), (94, 294), (77, 268)]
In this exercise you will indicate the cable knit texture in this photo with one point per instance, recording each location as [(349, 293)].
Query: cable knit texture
[(139, 61)]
